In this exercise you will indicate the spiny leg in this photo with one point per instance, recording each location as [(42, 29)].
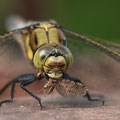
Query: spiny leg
[(87, 94)]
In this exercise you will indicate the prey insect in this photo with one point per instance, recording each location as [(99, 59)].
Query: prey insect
[(46, 47)]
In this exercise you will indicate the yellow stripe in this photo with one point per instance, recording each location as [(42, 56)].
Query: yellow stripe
[(28, 47), (53, 36)]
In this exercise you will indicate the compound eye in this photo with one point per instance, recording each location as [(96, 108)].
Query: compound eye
[(62, 49), (41, 54), (66, 53), (45, 51)]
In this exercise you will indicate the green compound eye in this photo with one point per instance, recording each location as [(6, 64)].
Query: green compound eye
[(40, 56)]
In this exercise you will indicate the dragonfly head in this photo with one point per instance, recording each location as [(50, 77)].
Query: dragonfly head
[(53, 61)]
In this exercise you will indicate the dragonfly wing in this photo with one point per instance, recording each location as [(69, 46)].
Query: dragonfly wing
[(11, 53), (112, 53), (16, 34), (113, 45), (9, 44)]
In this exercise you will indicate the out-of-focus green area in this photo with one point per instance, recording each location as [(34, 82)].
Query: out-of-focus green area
[(99, 18)]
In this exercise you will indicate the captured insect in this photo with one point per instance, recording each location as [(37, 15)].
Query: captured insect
[(46, 47)]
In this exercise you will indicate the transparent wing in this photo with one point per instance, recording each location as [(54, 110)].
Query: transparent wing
[(16, 25), (113, 45), (8, 41), (109, 51)]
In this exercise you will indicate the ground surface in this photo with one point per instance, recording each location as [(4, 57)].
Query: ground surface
[(60, 109)]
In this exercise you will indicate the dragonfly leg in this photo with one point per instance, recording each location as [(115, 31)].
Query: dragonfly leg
[(12, 94), (93, 99), (23, 84), (28, 78)]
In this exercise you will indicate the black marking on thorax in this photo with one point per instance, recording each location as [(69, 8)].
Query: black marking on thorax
[(47, 34)]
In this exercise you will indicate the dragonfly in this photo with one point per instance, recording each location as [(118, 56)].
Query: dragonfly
[(46, 47)]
